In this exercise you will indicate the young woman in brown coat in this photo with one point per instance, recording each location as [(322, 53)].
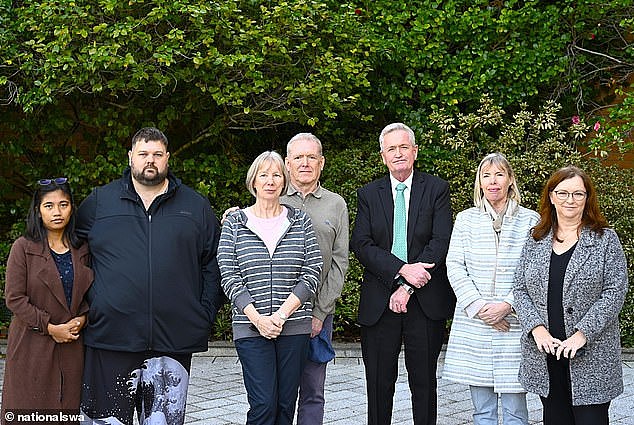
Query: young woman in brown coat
[(46, 278)]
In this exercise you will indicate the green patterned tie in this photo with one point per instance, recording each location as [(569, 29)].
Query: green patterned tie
[(399, 245)]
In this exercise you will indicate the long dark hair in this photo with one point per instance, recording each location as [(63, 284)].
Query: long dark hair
[(35, 230), (591, 217)]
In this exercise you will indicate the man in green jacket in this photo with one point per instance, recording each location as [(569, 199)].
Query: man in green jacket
[(329, 214)]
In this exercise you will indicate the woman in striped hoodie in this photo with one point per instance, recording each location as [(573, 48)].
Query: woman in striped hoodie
[(270, 265)]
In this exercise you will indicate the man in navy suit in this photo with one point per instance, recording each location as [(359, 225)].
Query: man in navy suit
[(403, 301)]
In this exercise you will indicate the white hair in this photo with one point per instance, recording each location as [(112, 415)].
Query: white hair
[(394, 127)]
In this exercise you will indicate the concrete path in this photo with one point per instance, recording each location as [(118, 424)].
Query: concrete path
[(217, 395)]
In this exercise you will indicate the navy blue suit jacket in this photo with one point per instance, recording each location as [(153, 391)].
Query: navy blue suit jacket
[(428, 233)]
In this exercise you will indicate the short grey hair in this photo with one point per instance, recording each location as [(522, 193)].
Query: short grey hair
[(394, 127), (303, 136), (268, 157), (495, 158)]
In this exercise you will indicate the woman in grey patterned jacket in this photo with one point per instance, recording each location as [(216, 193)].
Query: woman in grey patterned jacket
[(569, 288), (270, 265)]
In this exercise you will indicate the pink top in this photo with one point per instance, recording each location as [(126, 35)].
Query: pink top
[(270, 230)]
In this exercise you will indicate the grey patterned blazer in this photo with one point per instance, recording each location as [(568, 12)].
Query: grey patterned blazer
[(595, 285)]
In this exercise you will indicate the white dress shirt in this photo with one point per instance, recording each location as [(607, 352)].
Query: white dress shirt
[(407, 192)]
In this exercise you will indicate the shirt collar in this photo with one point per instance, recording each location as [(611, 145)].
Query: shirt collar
[(317, 193), (408, 181)]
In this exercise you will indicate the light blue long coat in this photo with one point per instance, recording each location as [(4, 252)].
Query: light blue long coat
[(477, 354), (594, 290)]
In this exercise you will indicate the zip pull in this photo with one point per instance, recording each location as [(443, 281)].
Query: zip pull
[(149, 217)]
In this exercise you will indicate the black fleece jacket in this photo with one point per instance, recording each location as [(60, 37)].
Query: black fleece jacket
[(157, 283)]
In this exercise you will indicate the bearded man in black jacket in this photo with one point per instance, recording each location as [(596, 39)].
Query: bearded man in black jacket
[(156, 292)]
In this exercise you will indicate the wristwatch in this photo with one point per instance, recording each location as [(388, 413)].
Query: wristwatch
[(408, 288), (282, 315)]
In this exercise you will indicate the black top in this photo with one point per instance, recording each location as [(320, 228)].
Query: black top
[(157, 282), (558, 265), (64, 263)]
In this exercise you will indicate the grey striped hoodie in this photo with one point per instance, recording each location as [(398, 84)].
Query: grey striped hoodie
[(251, 275)]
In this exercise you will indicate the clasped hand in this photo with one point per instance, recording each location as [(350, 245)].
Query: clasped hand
[(66, 332), (494, 314), (270, 327), (398, 300), (548, 344), (416, 274)]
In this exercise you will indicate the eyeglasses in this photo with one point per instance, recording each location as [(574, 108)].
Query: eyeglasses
[(563, 195), (57, 180)]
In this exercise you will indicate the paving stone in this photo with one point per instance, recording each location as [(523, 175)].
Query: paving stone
[(217, 395)]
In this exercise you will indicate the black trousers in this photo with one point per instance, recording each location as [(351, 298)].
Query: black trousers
[(381, 346), (558, 408), (115, 383)]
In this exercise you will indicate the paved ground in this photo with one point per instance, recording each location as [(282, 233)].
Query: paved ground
[(217, 395)]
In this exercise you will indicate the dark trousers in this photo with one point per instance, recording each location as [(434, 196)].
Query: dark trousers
[(558, 408), (381, 345), (117, 382), (271, 369), (310, 409)]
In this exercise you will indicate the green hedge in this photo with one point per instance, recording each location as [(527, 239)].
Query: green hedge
[(451, 146)]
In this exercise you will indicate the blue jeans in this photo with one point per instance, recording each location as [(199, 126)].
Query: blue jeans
[(271, 369), (485, 404), (310, 409)]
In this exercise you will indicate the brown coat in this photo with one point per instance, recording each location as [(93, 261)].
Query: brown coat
[(40, 373)]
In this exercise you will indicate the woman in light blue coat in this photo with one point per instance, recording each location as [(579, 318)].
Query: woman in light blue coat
[(484, 344), (570, 285)]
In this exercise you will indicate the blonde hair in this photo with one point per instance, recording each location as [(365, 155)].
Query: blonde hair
[(500, 160), (271, 158)]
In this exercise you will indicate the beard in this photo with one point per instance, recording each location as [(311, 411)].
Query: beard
[(153, 180)]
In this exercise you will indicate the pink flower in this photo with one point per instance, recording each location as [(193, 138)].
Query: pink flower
[(592, 36), (576, 119), (597, 126)]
